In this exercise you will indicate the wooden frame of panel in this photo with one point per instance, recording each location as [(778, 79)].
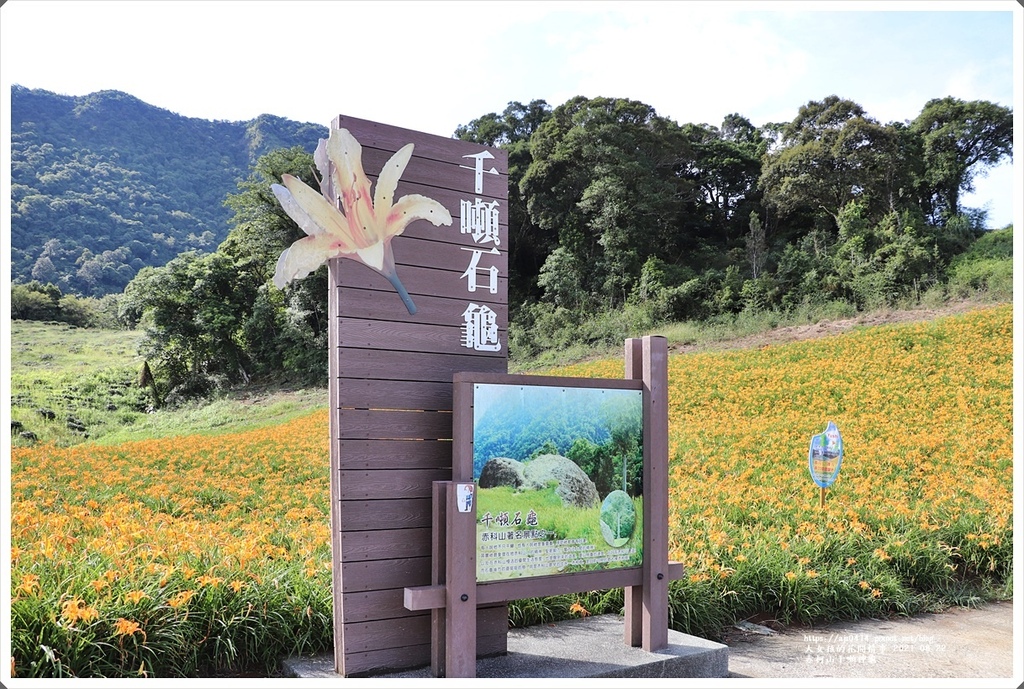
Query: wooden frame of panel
[(453, 585)]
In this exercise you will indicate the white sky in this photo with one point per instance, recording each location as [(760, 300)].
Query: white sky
[(432, 66)]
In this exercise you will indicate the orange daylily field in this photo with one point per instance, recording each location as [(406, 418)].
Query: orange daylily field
[(209, 554)]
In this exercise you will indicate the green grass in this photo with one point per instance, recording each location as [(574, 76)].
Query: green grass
[(230, 412), (747, 323), (700, 334), (37, 346), (71, 385)]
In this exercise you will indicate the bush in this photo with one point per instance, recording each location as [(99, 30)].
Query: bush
[(542, 328), (35, 301), (995, 244), (993, 276), (986, 267)]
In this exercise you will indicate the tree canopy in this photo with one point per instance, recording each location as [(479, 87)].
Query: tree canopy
[(960, 140)]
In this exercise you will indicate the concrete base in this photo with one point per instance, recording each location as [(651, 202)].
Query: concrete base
[(588, 647)]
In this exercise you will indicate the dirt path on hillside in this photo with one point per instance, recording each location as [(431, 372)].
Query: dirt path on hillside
[(826, 328)]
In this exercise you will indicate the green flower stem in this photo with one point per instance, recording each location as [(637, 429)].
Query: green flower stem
[(400, 288)]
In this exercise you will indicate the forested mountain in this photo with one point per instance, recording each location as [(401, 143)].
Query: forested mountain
[(104, 184)]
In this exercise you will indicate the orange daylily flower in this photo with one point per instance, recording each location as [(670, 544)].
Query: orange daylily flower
[(365, 225), (579, 609), (76, 609), (135, 596), (180, 599), (125, 627), (29, 584), (206, 580)]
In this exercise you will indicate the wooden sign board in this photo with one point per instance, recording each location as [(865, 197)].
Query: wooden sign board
[(391, 389)]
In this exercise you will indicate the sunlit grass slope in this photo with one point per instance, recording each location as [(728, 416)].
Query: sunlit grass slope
[(75, 385)]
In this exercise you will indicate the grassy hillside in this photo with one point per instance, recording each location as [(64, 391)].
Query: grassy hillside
[(201, 554), (922, 510), (71, 385)]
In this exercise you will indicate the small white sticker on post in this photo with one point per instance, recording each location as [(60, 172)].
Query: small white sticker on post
[(464, 496)]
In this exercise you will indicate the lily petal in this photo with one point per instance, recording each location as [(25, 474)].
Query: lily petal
[(415, 207), (352, 185), (387, 181), (301, 259), (321, 161), (321, 214), (296, 212), (347, 155)]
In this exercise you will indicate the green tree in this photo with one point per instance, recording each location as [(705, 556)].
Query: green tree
[(757, 246), (960, 139), (596, 462), (832, 153), (192, 310), (880, 262), (35, 302), (724, 165), (548, 447), (624, 445), (604, 182)]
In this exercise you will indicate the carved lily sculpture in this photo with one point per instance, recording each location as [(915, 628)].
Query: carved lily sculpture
[(365, 225)]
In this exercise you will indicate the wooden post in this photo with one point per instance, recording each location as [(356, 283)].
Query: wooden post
[(460, 604), (335, 430), (646, 606), (438, 554), (633, 595), (655, 569), (821, 500)]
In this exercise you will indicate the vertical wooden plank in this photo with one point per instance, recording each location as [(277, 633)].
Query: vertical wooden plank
[(460, 632), (438, 549), (633, 595), (334, 424), (655, 594), (462, 430)]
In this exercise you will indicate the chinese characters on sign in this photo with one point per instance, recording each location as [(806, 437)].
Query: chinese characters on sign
[(480, 221)]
